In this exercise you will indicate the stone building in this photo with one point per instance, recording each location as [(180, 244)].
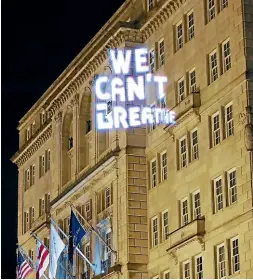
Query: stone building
[(179, 197)]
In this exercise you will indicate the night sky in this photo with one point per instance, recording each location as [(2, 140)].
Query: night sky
[(39, 39)]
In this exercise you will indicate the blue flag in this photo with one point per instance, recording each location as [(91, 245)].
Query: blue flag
[(76, 233)]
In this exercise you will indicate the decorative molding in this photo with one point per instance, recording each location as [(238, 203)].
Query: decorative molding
[(201, 242), (242, 118), (58, 117), (173, 254)]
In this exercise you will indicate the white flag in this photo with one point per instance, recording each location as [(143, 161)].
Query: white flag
[(56, 247)]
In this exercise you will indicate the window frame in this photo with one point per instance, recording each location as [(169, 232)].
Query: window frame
[(194, 147), (166, 272), (155, 234), (179, 39), (213, 77), (32, 174), (43, 164), (27, 178), (227, 122), (232, 170), (28, 134), (33, 127), (181, 95), (181, 158), (226, 66), (232, 264), (196, 266), (108, 253), (164, 168), (192, 87), (161, 54), (153, 176), (165, 233), (183, 266), (194, 204), (48, 159), (151, 60), (216, 199), (218, 261), (222, 6), (214, 136), (183, 223), (150, 4), (190, 29), (209, 9), (108, 203)]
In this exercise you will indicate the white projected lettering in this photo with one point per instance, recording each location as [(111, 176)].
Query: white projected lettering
[(127, 91)]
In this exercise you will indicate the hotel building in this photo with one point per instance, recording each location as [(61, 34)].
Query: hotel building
[(179, 197)]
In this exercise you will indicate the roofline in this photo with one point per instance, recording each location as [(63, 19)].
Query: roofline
[(69, 69)]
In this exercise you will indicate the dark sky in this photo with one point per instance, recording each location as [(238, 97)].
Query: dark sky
[(39, 39)]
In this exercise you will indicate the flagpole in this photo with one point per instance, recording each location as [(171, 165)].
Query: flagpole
[(90, 226), (22, 251), (76, 248), (38, 239)]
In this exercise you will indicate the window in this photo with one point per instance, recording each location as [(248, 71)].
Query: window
[(164, 165), (183, 152), (31, 214), (186, 270), (88, 210), (33, 128), (213, 65), (192, 81), (165, 224), (221, 265), (28, 133), (27, 179), (216, 129), (48, 159), (31, 254), (153, 125), (190, 25), (226, 56), (211, 9), (47, 200), (150, 4), (235, 259), (109, 107), (161, 53), (70, 142), (154, 232), (25, 222), (162, 102), (153, 173), (152, 60), (88, 126), (33, 175), (41, 206), (229, 120), (179, 35), (42, 165), (43, 117), (108, 241), (194, 144), (199, 267), (181, 90), (184, 212), (218, 194), (166, 274), (224, 4), (196, 205), (232, 189), (107, 197)]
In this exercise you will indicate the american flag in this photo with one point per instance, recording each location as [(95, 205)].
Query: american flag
[(42, 259), (23, 268)]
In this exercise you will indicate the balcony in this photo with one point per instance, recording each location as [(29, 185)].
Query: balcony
[(44, 219), (194, 231)]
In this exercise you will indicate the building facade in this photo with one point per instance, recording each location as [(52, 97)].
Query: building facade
[(178, 197)]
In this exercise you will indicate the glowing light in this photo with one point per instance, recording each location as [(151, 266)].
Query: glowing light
[(140, 59), (120, 63), (101, 95), (135, 88), (118, 89), (160, 80)]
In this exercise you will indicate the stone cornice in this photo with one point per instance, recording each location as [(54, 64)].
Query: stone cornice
[(24, 154)]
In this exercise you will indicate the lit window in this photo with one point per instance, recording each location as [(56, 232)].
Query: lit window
[(235, 259), (211, 9), (107, 197), (199, 267), (166, 274), (192, 81), (190, 22), (181, 90), (213, 65), (232, 189), (161, 52), (33, 175), (229, 120), (224, 4), (165, 224), (150, 4), (218, 193), (194, 144), (153, 173), (216, 129), (221, 265), (154, 232), (184, 212), (196, 205), (179, 35), (28, 134), (152, 60), (226, 55), (183, 152), (186, 270), (164, 165)]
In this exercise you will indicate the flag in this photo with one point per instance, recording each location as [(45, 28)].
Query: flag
[(56, 247), (42, 259), (76, 233), (23, 268), (63, 265)]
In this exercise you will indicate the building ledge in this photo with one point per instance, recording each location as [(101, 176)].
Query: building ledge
[(111, 270), (43, 220)]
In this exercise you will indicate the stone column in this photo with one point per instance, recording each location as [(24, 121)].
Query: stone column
[(57, 154)]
